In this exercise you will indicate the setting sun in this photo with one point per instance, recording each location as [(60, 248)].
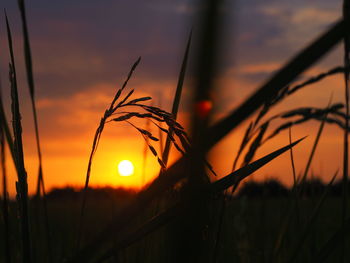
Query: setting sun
[(125, 168)]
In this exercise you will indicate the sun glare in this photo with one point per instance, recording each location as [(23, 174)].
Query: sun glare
[(125, 168)]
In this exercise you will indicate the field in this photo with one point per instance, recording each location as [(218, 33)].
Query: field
[(188, 213), (252, 225)]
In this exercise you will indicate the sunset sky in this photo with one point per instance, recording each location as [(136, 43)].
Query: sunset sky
[(83, 50)]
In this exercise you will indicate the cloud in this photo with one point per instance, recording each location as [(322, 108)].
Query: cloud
[(300, 23)]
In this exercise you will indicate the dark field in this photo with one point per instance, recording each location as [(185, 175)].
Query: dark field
[(253, 222)]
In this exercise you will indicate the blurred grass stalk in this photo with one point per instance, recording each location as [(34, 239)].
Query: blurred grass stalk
[(193, 233)]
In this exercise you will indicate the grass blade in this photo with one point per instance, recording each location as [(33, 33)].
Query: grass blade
[(145, 152), (294, 189), (177, 98), (243, 172), (314, 147)]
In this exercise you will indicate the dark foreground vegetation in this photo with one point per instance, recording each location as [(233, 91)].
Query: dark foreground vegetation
[(254, 221)]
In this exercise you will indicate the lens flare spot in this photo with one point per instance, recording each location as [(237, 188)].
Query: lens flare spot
[(203, 108)]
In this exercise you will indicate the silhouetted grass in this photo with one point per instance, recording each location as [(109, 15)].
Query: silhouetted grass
[(30, 80), (21, 184), (177, 99), (346, 14), (191, 227)]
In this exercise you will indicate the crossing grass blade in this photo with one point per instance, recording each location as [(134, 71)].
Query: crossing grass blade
[(21, 184)]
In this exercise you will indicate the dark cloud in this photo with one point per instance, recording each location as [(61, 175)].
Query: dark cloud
[(78, 44)]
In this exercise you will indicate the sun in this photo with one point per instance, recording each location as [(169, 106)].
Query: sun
[(125, 168)]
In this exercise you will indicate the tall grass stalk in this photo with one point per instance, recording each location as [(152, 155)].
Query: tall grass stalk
[(21, 184), (294, 188), (31, 86), (314, 146), (145, 153), (346, 15), (108, 113), (5, 205), (190, 242)]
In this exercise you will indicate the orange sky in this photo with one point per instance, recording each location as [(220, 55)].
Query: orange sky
[(79, 64)]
